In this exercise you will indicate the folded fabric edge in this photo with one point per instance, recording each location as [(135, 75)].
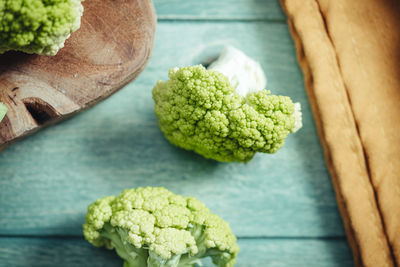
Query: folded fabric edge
[(367, 43), (366, 237), (339, 197)]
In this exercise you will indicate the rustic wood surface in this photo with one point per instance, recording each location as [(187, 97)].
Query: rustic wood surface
[(76, 252), (282, 206), (105, 54)]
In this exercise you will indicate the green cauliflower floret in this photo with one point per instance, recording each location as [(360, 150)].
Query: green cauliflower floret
[(156, 228), (38, 26), (3, 111), (199, 110)]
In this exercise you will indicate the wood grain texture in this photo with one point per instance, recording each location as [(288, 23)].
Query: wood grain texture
[(118, 144), (219, 10), (98, 59), (76, 252), (47, 180)]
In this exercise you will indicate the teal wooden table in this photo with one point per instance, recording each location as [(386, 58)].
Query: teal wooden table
[(282, 206)]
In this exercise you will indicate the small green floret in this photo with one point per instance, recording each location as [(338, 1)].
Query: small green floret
[(38, 26), (154, 227), (3, 111), (199, 110)]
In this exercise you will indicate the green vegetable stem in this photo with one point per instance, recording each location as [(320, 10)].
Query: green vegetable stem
[(3, 111), (156, 228)]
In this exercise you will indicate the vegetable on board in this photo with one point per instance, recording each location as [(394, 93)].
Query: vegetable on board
[(38, 26), (3, 111)]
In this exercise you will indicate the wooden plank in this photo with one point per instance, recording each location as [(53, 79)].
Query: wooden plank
[(219, 10), (76, 252), (48, 180)]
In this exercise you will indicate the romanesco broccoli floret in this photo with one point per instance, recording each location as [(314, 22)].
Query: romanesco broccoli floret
[(3, 111), (38, 26), (156, 228), (199, 110)]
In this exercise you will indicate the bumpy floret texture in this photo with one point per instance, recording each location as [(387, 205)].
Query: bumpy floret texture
[(38, 26), (155, 227), (199, 110)]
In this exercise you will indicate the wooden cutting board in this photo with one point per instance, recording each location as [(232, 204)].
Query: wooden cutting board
[(109, 50)]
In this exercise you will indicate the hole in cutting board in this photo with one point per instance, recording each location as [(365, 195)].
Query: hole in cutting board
[(40, 111)]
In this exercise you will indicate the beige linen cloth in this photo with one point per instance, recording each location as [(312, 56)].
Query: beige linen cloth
[(349, 51)]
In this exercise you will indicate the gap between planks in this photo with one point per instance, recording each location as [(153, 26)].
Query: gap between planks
[(217, 19), (239, 237)]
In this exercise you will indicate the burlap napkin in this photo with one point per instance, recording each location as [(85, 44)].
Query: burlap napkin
[(349, 51)]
